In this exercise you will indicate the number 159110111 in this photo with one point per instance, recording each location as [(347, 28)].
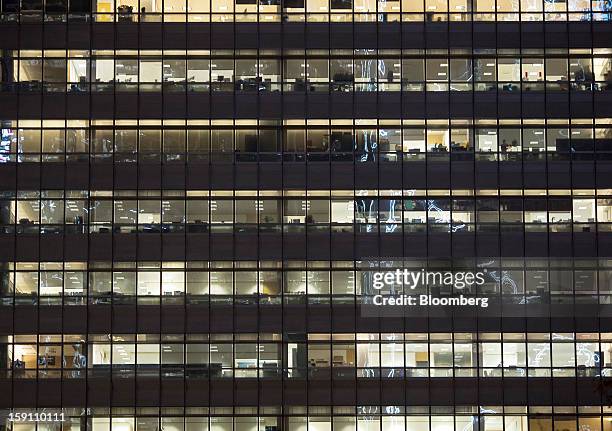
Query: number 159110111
[(36, 417)]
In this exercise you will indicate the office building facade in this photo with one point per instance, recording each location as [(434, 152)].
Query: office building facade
[(199, 197)]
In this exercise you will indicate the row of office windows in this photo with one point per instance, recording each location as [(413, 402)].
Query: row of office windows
[(295, 410), (355, 418), (315, 356), (300, 53), (294, 193), (72, 284), (77, 213), (151, 72), (364, 141), (301, 10)]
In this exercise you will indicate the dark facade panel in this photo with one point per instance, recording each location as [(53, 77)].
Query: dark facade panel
[(315, 105), (435, 35)]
